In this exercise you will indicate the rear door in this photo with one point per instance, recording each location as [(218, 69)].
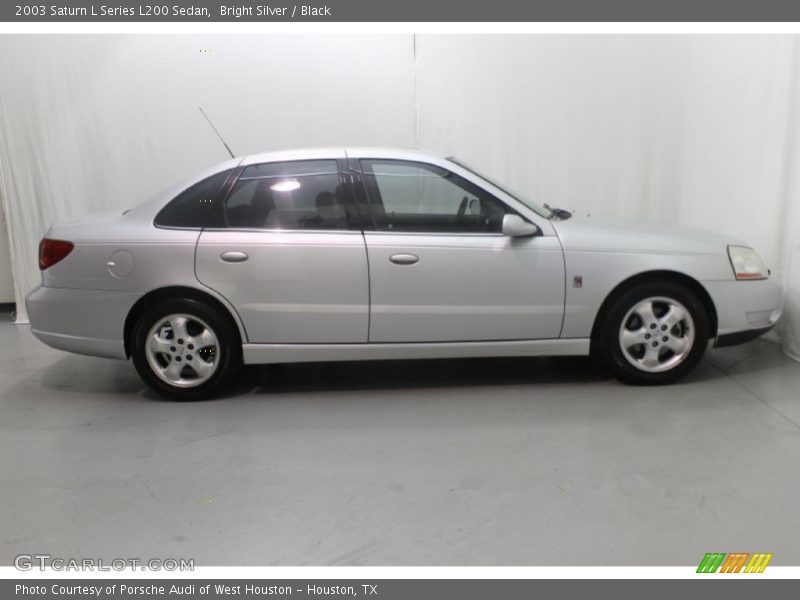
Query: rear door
[(289, 254)]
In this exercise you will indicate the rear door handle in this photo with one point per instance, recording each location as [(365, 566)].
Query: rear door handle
[(404, 259), (233, 256)]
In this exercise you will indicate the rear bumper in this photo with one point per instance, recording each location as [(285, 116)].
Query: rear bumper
[(81, 321)]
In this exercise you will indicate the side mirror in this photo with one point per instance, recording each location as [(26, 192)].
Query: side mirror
[(516, 226)]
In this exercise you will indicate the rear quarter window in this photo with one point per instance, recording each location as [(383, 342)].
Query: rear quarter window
[(192, 207)]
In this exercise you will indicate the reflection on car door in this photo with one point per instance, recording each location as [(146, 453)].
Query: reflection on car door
[(440, 269), (289, 255)]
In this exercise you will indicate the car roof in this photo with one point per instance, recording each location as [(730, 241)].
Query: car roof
[(335, 152)]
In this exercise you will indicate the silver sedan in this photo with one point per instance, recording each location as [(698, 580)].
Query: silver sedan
[(354, 254)]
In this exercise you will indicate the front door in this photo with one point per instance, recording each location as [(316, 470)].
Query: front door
[(440, 268)]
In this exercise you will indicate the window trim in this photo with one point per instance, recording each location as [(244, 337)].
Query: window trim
[(437, 233)]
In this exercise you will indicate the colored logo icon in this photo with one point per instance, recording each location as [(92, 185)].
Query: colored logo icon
[(735, 562)]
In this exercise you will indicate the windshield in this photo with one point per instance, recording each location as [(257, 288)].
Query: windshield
[(541, 210)]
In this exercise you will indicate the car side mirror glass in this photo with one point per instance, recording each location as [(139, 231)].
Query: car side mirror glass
[(516, 226)]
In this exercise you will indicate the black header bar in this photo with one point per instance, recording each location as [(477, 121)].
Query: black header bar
[(209, 11)]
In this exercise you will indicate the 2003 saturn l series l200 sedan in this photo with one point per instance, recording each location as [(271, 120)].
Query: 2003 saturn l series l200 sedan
[(319, 255)]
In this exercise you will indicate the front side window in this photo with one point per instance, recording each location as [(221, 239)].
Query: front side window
[(289, 195), (192, 207), (539, 209), (419, 197)]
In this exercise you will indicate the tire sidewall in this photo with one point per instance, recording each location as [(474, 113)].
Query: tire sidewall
[(229, 348), (607, 337)]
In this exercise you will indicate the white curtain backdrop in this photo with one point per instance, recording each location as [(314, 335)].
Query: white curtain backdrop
[(96, 123), (6, 280), (699, 130), (696, 130)]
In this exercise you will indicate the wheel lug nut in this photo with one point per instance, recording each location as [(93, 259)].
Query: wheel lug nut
[(647, 336), (663, 328), (172, 348), (652, 325), (180, 341), (188, 357), (665, 339), (655, 344), (190, 346), (178, 358)]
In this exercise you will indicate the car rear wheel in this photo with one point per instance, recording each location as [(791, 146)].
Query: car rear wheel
[(655, 333), (185, 350)]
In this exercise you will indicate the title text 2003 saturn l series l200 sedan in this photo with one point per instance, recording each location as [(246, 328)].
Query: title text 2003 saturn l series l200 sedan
[(328, 255)]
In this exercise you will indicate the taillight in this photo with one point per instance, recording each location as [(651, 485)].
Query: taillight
[(53, 251)]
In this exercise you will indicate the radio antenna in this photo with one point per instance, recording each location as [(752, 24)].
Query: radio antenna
[(228, 148)]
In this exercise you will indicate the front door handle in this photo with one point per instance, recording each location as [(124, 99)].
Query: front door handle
[(233, 256), (404, 259)]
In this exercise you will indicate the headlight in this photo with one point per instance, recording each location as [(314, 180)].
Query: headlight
[(746, 263)]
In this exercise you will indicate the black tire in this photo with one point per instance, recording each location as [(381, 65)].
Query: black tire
[(227, 354), (606, 345)]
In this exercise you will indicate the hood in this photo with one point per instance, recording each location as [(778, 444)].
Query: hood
[(604, 234)]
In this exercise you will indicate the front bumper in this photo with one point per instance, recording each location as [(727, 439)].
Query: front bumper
[(745, 309), (81, 321), (739, 337)]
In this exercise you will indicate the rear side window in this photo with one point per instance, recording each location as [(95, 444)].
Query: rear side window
[(304, 194), (192, 207)]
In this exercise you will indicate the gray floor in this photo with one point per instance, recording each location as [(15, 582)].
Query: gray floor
[(490, 462)]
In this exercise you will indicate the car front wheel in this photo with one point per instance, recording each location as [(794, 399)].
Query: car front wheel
[(655, 333), (185, 350)]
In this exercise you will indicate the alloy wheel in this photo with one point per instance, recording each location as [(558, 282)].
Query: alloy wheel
[(182, 350), (657, 334)]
